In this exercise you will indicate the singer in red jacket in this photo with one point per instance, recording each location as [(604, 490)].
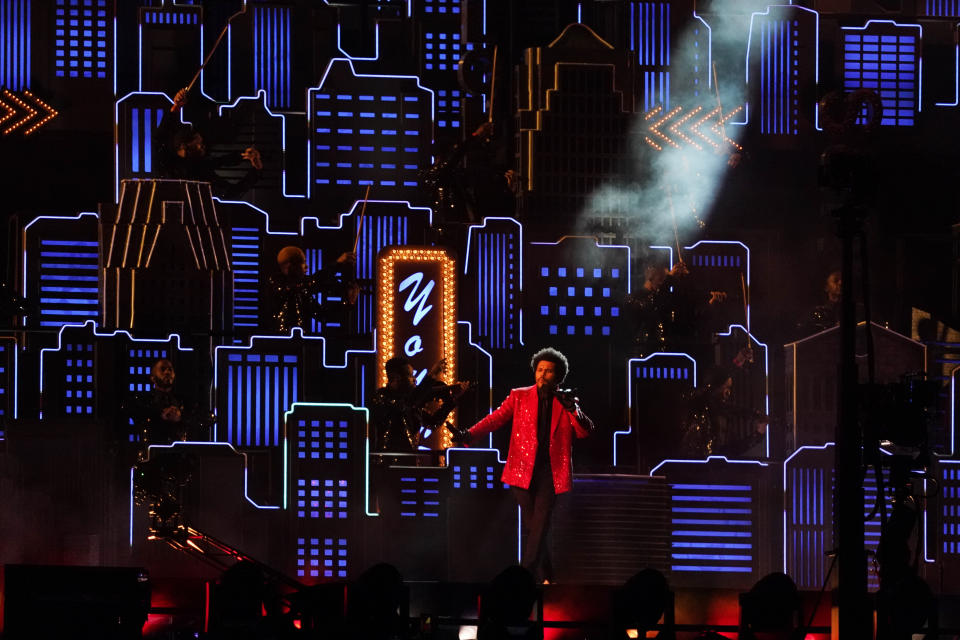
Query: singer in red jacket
[(545, 420)]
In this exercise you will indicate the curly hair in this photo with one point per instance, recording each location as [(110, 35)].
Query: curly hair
[(552, 355)]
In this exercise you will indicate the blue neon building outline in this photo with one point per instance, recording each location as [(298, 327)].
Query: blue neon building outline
[(630, 391), (867, 24), (93, 327), (821, 447), (366, 446), (766, 375), (599, 246), (746, 270), (709, 54), (24, 236), (707, 460), (353, 71), (816, 59), (261, 95)]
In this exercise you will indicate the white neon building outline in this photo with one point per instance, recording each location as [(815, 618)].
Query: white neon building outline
[(353, 71), (261, 96), (707, 460), (956, 73), (786, 462), (366, 446), (816, 59), (599, 246), (175, 337), (746, 270), (630, 391), (709, 54), (24, 232), (919, 27), (766, 375)]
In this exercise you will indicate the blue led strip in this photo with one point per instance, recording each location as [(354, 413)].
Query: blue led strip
[(245, 257), (779, 76), (68, 281), (379, 231), (15, 44), (810, 533), (650, 32), (872, 526), (949, 508), (260, 388), (885, 57), (271, 43), (143, 123), (712, 528), (942, 8), (80, 27), (496, 291)]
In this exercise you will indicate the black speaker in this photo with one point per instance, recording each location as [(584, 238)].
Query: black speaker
[(74, 602)]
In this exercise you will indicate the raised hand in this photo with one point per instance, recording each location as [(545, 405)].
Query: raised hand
[(251, 154)]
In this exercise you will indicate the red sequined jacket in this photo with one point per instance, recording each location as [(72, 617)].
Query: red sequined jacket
[(521, 406)]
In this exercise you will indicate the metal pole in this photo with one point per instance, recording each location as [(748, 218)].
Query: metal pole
[(854, 607)]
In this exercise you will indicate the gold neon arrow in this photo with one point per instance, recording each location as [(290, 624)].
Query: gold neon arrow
[(10, 110), (50, 115), (721, 131), (655, 127), (30, 111), (31, 106)]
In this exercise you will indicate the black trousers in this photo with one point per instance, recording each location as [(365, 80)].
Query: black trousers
[(536, 507)]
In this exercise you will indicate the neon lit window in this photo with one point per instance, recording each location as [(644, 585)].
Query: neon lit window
[(369, 138), (449, 107), (322, 557), (245, 257), (498, 288), (712, 528), (779, 76), (326, 440), (271, 45), (942, 8), (420, 495), (78, 387), (379, 231), (441, 6), (369, 131), (68, 281), (15, 36), (650, 38), (950, 509), (80, 28), (442, 51), (259, 388), (139, 365), (474, 477), (888, 63), (143, 126)]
